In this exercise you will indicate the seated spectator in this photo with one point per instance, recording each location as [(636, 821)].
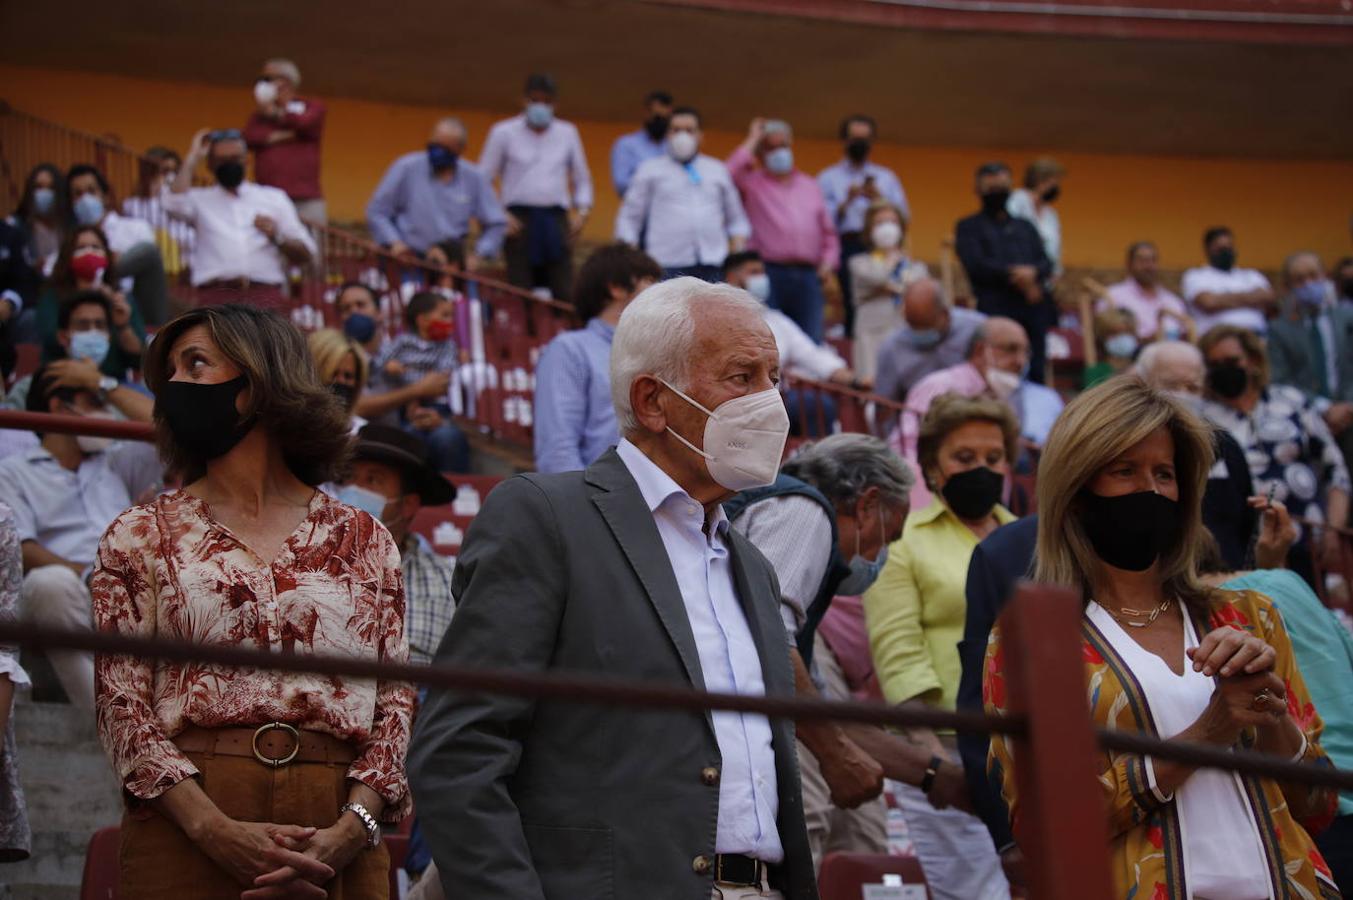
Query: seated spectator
[(360, 315), (1006, 263), (1311, 346), (684, 206), (247, 234), (933, 335), (879, 277), (284, 133), (426, 348), (632, 150), (160, 166), (15, 835), (42, 212), (64, 493), (915, 615), (19, 283), (138, 268), (1220, 294), (849, 188), (544, 182), (82, 339), (574, 415), (430, 196), (1285, 439), (791, 227), (1157, 312), (1116, 343), (1034, 203), (343, 366), (1343, 281)]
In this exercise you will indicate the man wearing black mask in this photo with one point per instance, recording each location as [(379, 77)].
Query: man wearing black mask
[(247, 234), (1006, 264), (1220, 293), (849, 187), (630, 150), (1342, 275)]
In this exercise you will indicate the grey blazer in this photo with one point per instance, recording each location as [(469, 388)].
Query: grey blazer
[(526, 800), (1289, 351)]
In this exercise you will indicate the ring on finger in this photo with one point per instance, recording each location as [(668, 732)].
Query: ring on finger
[(1260, 699)]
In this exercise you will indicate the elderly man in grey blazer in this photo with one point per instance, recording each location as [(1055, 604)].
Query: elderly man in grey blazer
[(628, 569)]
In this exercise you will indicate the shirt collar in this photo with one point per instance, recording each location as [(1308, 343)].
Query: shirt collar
[(657, 487), (601, 328)]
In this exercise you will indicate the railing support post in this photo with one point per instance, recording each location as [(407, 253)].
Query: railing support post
[(1061, 826)]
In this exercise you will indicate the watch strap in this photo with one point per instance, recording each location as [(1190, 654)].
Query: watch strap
[(373, 828), (931, 770)]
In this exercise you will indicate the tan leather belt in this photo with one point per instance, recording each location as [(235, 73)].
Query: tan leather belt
[(274, 744)]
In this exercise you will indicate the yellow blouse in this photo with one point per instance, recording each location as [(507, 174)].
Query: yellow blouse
[(916, 609)]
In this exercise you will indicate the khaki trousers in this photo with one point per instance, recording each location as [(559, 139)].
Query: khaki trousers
[(56, 597)]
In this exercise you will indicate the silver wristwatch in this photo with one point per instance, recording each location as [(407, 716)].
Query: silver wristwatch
[(373, 828), (107, 384)]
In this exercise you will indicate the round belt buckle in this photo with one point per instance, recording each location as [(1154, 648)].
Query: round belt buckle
[(280, 761)]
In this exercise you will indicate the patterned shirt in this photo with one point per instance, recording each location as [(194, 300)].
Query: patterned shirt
[(419, 357), (168, 569), (427, 591)]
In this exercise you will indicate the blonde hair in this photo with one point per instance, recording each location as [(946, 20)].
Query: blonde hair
[(1095, 429), (872, 213), (328, 346), (949, 412)]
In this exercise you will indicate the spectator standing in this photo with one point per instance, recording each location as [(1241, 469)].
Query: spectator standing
[(42, 213), (880, 275), (427, 198), (574, 416), (544, 182), (160, 166), (791, 227), (1158, 313), (1006, 263), (933, 335), (634, 149), (246, 233), (1034, 203), (850, 187), (1221, 294), (683, 205), (284, 134), (15, 835)]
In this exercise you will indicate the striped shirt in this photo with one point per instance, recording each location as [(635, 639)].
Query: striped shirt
[(429, 603)]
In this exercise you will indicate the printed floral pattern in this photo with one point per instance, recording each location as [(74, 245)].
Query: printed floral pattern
[(15, 836), (167, 569)]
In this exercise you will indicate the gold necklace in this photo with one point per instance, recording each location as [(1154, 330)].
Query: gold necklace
[(1151, 614)]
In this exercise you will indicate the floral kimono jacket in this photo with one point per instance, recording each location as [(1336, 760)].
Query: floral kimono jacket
[(1146, 854)]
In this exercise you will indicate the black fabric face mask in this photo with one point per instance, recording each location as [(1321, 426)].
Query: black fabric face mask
[(972, 494), (1223, 259), (858, 150), (656, 126), (229, 174), (993, 202), (1130, 531), (203, 417), (346, 394), (1227, 380), (1052, 193)]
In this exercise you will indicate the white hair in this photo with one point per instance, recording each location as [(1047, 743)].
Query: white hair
[(287, 69), (1154, 354), (656, 335), (777, 126)]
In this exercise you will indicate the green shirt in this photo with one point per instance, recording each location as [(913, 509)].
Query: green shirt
[(116, 363)]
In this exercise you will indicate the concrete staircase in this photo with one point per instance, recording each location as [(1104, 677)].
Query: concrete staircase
[(71, 793)]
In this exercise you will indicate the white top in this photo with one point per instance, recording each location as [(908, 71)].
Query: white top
[(795, 535), (1049, 224), (1209, 280), (124, 233), (798, 354), (534, 168), (690, 209), (748, 798), (229, 245), (1223, 853)]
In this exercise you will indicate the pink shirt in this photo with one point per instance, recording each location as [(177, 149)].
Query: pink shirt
[(1146, 307), (843, 629), (790, 223), (963, 379)]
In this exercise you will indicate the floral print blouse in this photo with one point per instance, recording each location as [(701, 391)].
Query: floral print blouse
[(168, 569), (1146, 853)]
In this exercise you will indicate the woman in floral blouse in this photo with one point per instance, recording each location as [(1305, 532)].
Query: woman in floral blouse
[(246, 780), (1119, 499)]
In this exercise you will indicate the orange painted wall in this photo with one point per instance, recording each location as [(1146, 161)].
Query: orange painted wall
[(1275, 206)]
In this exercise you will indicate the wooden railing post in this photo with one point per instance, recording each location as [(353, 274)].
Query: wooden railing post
[(1061, 822)]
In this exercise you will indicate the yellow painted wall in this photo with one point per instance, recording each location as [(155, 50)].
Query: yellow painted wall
[(1275, 206)]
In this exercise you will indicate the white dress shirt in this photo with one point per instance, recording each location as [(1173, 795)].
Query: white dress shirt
[(798, 354), (1210, 280), (534, 168), (1046, 220), (228, 243), (124, 233), (686, 211), (748, 798)]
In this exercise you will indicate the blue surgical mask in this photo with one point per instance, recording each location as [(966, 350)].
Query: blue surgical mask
[(1172, 330), (92, 345), (368, 501), (863, 572), (925, 339), (43, 200), (88, 209), (1311, 295), (780, 161), (539, 115), (1121, 345), (758, 286), (360, 327)]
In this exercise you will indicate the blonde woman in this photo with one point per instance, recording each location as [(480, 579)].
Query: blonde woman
[(1120, 491), (878, 278), (343, 366)]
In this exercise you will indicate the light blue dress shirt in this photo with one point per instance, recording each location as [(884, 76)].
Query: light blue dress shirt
[(1038, 407), (748, 801), (413, 205), (574, 416), (628, 151), (836, 182)]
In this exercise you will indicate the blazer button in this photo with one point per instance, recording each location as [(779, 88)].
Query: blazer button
[(709, 775), (701, 865)]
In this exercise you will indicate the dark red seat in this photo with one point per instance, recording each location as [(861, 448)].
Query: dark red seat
[(844, 875), (102, 872)]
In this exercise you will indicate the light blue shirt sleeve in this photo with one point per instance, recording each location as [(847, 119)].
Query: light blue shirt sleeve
[(384, 206), (492, 219), (891, 189), (560, 408), (624, 161)]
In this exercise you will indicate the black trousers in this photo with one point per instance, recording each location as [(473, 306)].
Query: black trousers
[(1336, 845), (852, 244), (557, 275)]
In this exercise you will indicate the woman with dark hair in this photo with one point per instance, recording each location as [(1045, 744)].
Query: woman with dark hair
[(1120, 490), (42, 213), (249, 779), (86, 264)]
